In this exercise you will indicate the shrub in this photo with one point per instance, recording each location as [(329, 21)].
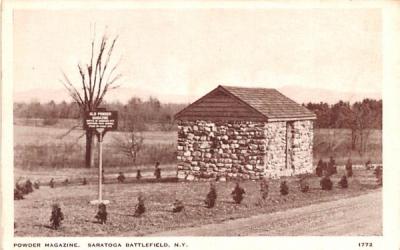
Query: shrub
[(56, 217), (18, 195), (237, 194), (378, 174), (343, 182), (121, 177), (304, 187), (264, 189), (326, 183), (36, 184), (211, 196), (178, 206), (101, 215), (140, 208), (284, 188), (138, 174), (28, 187)]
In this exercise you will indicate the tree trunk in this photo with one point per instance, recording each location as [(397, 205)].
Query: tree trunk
[(365, 140), (89, 153), (361, 150), (353, 138)]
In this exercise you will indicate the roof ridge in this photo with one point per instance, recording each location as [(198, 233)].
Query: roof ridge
[(240, 87)]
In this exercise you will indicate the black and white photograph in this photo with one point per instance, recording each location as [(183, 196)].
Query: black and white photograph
[(204, 120)]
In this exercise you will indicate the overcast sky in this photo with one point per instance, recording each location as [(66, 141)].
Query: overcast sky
[(178, 55)]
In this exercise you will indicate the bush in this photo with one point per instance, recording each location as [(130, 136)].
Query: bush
[(304, 187), (326, 183), (378, 174), (138, 174), (101, 215), (18, 195), (264, 189), (211, 196), (178, 206), (237, 194), (140, 208), (343, 182), (56, 217), (284, 189)]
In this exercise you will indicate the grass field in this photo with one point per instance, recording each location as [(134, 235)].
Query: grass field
[(40, 147), (32, 214), (25, 135), (336, 142), (46, 147)]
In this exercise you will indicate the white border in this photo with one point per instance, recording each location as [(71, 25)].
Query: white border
[(391, 126)]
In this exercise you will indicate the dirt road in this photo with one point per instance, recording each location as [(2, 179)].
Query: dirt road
[(360, 215)]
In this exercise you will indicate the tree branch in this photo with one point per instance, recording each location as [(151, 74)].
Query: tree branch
[(84, 86), (98, 67), (68, 132), (72, 90)]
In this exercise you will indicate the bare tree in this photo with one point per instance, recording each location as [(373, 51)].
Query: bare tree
[(364, 116), (96, 79), (129, 144)]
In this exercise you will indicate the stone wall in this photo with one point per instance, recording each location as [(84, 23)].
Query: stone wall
[(246, 150), (276, 150), (303, 147)]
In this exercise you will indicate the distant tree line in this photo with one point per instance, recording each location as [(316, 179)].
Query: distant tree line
[(135, 115), (364, 114), (35, 109), (360, 117)]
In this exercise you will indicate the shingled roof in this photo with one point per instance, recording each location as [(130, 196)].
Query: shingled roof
[(239, 103)]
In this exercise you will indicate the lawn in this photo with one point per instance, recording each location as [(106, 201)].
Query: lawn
[(32, 214)]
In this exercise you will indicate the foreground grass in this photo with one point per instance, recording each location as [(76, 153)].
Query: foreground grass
[(76, 175), (32, 214)]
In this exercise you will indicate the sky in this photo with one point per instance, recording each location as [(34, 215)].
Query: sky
[(178, 55)]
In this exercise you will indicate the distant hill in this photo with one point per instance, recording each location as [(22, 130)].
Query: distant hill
[(304, 95), (296, 93), (122, 94)]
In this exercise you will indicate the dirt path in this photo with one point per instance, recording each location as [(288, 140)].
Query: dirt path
[(360, 215)]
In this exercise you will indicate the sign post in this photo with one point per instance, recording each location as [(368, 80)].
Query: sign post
[(100, 131), (101, 122)]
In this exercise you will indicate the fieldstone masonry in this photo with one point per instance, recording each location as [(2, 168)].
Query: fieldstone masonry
[(243, 149), (302, 147)]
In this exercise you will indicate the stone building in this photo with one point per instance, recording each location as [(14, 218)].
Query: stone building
[(247, 133)]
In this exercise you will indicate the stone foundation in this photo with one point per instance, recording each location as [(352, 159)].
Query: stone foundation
[(242, 150)]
